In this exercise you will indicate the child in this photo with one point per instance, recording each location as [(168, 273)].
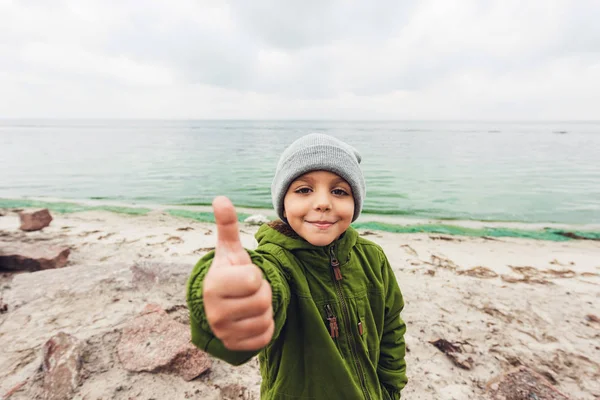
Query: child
[(318, 304)]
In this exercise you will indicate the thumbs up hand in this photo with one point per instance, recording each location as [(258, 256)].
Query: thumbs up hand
[(237, 300)]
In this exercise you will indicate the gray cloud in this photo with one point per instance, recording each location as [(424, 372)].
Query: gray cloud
[(296, 25), (301, 59), (195, 54)]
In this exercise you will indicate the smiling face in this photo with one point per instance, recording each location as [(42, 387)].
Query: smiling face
[(319, 207)]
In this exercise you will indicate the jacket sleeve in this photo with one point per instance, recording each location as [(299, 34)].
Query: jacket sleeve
[(392, 365), (202, 335)]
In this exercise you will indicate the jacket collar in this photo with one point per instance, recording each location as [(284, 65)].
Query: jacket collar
[(281, 234)]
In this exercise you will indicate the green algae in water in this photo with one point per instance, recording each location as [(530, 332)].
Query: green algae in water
[(124, 210), (202, 216), (551, 234), (59, 207), (65, 208)]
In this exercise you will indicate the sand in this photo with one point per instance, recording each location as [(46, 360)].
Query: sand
[(503, 302)]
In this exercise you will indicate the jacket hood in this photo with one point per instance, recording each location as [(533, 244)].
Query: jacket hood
[(281, 234)]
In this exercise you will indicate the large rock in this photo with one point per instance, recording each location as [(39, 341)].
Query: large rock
[(118, 277), (523, 383), (61, 367), (155, 342), (32, 257), (147, 274), (35, 220)]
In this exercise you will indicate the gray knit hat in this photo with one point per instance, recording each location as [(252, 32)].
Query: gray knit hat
[(318, 152)]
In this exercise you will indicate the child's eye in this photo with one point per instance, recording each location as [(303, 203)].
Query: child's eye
[(339, 192), (303, 190)]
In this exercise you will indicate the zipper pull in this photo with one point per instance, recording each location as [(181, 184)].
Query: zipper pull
[(335, 264), (360, 328), (334, 330)]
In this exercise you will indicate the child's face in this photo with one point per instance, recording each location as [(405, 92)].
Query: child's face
[(319, 206)]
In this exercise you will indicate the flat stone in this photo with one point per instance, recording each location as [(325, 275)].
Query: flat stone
[(79, 279), (61, 366), (523, 383), (154, 342), (235, 391), (147, 274), (32, 257), (35, 220)]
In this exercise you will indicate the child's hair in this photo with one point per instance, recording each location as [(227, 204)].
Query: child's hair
[(318, 152)]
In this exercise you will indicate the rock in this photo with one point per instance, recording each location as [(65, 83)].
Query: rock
[(61, 367), (32, 257), (35, 220), (78, 280), (154, 342), (523, 383), (235, 392), (454, 351), (257, 219), (146, 275)]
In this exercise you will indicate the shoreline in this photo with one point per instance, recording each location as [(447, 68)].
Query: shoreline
[(375, 222)]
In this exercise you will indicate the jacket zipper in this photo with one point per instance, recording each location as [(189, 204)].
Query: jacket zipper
[(334, 330), (335, 264)]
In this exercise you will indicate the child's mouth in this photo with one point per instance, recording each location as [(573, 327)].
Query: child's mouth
[(321, 224)]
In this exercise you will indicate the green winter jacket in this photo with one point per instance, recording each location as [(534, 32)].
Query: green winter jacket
[(338, 330)]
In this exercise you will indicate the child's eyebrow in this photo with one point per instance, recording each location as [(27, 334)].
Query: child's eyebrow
[(309, 180), (339, 180), (302, 180)]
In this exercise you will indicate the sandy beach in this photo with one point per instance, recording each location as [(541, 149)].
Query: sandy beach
[(505, 302)]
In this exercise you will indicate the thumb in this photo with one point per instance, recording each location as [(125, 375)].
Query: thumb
[(229, 247)]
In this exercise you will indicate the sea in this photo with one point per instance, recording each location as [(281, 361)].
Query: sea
[(436, 175)]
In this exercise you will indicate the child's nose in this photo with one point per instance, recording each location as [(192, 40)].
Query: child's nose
[(322, 202)]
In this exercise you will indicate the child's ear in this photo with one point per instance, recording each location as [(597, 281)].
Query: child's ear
[(284, 215)]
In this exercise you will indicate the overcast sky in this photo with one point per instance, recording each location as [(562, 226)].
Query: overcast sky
[(278, 59)]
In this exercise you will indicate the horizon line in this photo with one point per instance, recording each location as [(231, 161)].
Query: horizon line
[(2, 118)]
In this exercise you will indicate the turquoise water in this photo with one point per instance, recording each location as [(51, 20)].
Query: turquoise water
[(483, 171)]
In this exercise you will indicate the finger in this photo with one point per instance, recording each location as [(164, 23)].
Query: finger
[(253, 343), (236, 309), (229, 245), (240, 281), (221, 318), (249, 327)]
